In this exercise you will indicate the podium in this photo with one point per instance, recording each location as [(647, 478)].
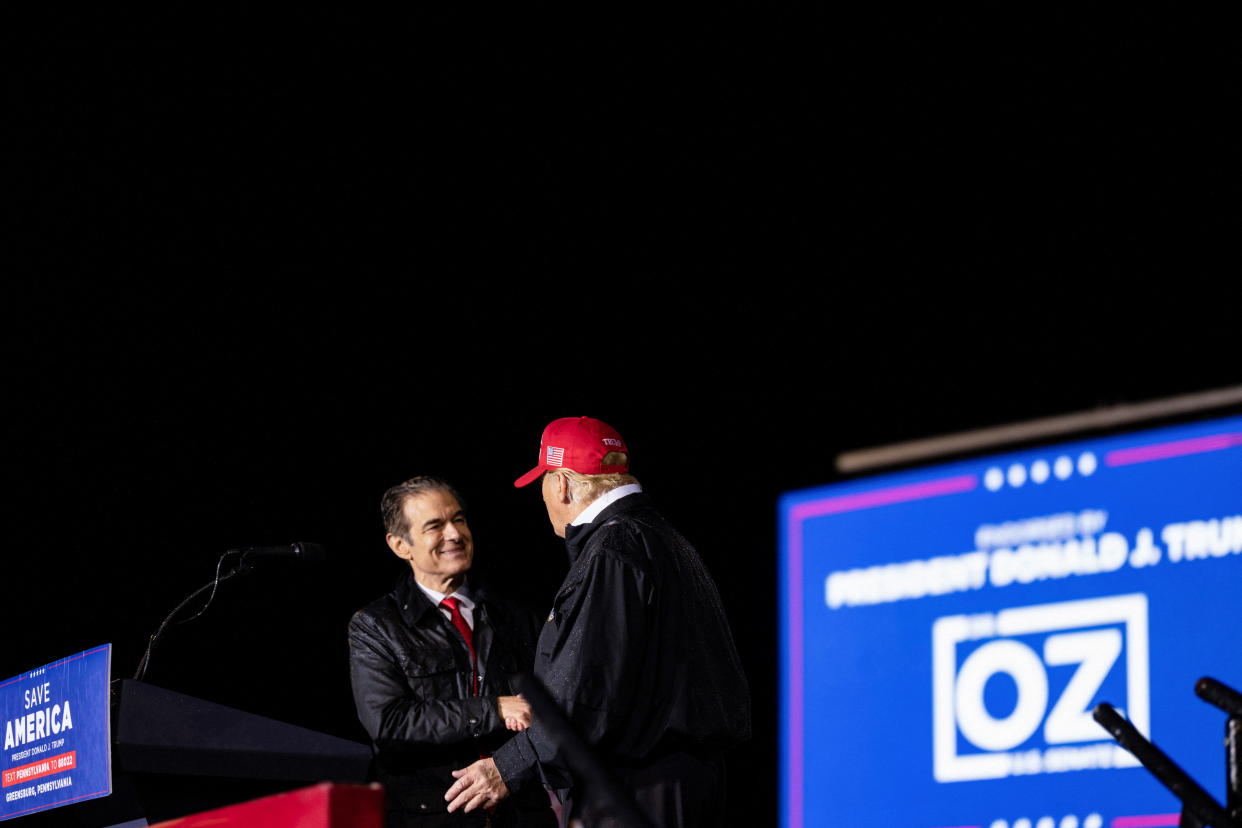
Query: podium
[(162, 732), (174, 755)]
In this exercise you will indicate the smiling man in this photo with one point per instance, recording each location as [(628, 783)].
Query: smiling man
[(433, 665)]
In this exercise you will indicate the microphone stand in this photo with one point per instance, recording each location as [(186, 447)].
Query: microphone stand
[(242, 567), (1199, 808), (1229, 700)]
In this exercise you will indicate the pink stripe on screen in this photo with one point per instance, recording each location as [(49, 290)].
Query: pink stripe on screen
[(1146, 821), (1177, 448), (797, 516), (885, 497), (795, 676)]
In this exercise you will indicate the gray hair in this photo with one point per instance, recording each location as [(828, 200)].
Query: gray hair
[(586, 488)]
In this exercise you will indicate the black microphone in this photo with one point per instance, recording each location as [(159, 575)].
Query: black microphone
[(301, 551)]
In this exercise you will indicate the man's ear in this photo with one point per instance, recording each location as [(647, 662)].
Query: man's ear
[(561, 490), (398, 545)]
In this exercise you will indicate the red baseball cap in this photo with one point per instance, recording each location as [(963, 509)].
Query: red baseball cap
[(577, 443)]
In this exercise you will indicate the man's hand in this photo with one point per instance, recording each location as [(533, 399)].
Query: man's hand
[(478, 786), (515, 710)]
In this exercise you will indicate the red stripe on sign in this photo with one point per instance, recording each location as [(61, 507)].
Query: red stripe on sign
[(44, 767)]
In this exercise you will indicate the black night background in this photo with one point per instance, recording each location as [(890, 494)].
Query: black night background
[(264, 265)]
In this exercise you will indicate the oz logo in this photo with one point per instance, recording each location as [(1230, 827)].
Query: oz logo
[(1013, 690)]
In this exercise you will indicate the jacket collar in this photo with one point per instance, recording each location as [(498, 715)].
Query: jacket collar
[(413, 603), (576, 536)]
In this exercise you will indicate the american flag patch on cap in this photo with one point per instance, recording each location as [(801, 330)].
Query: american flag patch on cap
[(556, 456)]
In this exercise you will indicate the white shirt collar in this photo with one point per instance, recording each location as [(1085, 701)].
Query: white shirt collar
[(604, 501), (465, 600)]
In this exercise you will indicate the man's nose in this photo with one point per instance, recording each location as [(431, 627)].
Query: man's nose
[(451, 532)]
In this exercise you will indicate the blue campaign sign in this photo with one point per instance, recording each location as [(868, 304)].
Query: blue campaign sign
[(946, 633), (56, 734)]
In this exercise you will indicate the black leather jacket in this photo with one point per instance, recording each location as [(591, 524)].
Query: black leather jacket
[(637, 650), (410, 671)]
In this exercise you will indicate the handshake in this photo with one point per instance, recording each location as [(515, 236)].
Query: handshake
[(515, 711), (480, 785)]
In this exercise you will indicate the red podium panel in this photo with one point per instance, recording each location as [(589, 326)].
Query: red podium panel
[(320, 806)]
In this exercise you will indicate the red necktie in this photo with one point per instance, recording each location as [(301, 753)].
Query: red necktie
[(459, 622)]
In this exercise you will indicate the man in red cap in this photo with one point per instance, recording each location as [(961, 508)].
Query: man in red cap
[(637, 650)]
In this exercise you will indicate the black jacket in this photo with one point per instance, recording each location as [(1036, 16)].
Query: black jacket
[(637, 649), (410, 671)]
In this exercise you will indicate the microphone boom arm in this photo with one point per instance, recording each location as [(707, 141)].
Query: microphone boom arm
[(243, 567)]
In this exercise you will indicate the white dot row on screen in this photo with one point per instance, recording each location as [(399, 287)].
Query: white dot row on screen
[(1067, 821), (1040, 471)]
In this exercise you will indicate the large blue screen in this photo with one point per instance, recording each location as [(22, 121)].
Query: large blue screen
[(946, 632)]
